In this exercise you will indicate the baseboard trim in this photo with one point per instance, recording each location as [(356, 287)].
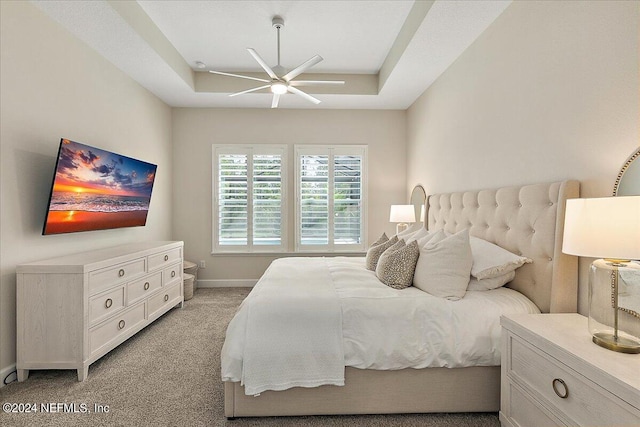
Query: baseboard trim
[(8, 375), (226, 283)]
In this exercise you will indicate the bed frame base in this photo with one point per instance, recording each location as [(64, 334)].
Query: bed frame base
[(473, 389)]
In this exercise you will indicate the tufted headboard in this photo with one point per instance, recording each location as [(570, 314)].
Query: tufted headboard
[(526, 220)]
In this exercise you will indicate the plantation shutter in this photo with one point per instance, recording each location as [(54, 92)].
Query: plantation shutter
[(249, 199), (330, 198)]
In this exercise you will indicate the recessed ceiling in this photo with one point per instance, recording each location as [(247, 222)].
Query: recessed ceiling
[(388, 52)]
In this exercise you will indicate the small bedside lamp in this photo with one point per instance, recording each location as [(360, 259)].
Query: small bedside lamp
[(402, 214), (606, 228)]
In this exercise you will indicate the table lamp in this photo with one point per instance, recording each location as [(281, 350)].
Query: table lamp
[(607, 228), (402, 214)]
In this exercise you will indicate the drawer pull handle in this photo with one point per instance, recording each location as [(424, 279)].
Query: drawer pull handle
[(166, 298), (108, 303), (121, 272), (555, 383), (121, 324), (173, 274), (166, 257), (146, 286)]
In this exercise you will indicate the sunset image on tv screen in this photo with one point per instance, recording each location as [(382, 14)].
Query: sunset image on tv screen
[(95, 189)]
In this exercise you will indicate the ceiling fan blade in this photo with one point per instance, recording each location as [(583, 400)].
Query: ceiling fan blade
[(276, 99), (238, 75), (302, 68), (262, 63), (303, 94), (315, 82), (250, 90)]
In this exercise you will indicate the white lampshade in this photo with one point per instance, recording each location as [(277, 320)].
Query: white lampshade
[(402, 213), (607, 227)]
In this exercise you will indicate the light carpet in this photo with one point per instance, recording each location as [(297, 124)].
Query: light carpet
[(169, 375)]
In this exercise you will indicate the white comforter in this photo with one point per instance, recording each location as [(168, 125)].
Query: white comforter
[(381, 328)]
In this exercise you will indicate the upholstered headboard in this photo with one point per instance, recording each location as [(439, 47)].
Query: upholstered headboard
[(526, 220)]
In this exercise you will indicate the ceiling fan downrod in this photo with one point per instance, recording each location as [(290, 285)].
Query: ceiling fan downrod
[(278, 23)]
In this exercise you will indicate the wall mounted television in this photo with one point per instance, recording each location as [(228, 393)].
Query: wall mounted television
[(95, 189)]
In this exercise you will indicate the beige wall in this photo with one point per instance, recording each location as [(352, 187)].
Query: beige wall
[(52, 85), (195, 130), (548, 92)]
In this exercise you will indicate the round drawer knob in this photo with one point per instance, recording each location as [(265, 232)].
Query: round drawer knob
[(121, 272), (166, 257), (121, 324), (173, 274), (166, 298), (146, 286), (560, 388), (108, 303)]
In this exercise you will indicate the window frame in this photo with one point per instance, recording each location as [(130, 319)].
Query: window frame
[(250, 150), (332, 151)]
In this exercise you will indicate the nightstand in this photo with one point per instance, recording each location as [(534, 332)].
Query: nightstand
[(553, 374)]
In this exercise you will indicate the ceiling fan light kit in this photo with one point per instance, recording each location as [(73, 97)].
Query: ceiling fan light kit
[(282, 81)]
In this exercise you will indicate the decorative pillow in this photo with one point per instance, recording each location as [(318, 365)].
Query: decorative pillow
[(436, 236), (418, 235), (395, 268), (444, 266), (380, 240), (490, 283), (491, 260), (374, 252), (409, 231), (398, 245)]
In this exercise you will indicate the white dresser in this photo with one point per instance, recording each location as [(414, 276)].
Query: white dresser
[(72, 310), (552, 374)]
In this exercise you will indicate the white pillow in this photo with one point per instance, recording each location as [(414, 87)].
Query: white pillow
[(491, 260), (410, 230), (418, 235), (490, 283), (444, 266)]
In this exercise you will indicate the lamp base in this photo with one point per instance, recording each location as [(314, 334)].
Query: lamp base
[(620, 344)]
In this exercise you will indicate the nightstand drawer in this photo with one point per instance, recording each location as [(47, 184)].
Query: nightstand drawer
[(527, 411), (584, 401)]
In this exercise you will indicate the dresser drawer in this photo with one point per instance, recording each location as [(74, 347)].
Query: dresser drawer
[(112, 329), (585, 402), (143, 287), (106, 304), (165, 299), (102, 279), (164, 259), (172, 274)]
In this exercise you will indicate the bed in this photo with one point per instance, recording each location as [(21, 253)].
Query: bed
[(526, 220)]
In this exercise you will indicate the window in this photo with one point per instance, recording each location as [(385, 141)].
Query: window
[(250, 207), (330, 210), (249, 189)]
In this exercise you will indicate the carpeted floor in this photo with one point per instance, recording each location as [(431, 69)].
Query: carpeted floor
[(169, 375)]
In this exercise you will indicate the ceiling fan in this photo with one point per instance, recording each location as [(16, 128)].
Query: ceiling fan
[(282, 81)]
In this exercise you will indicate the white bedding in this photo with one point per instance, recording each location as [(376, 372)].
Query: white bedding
[(382, 328)]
